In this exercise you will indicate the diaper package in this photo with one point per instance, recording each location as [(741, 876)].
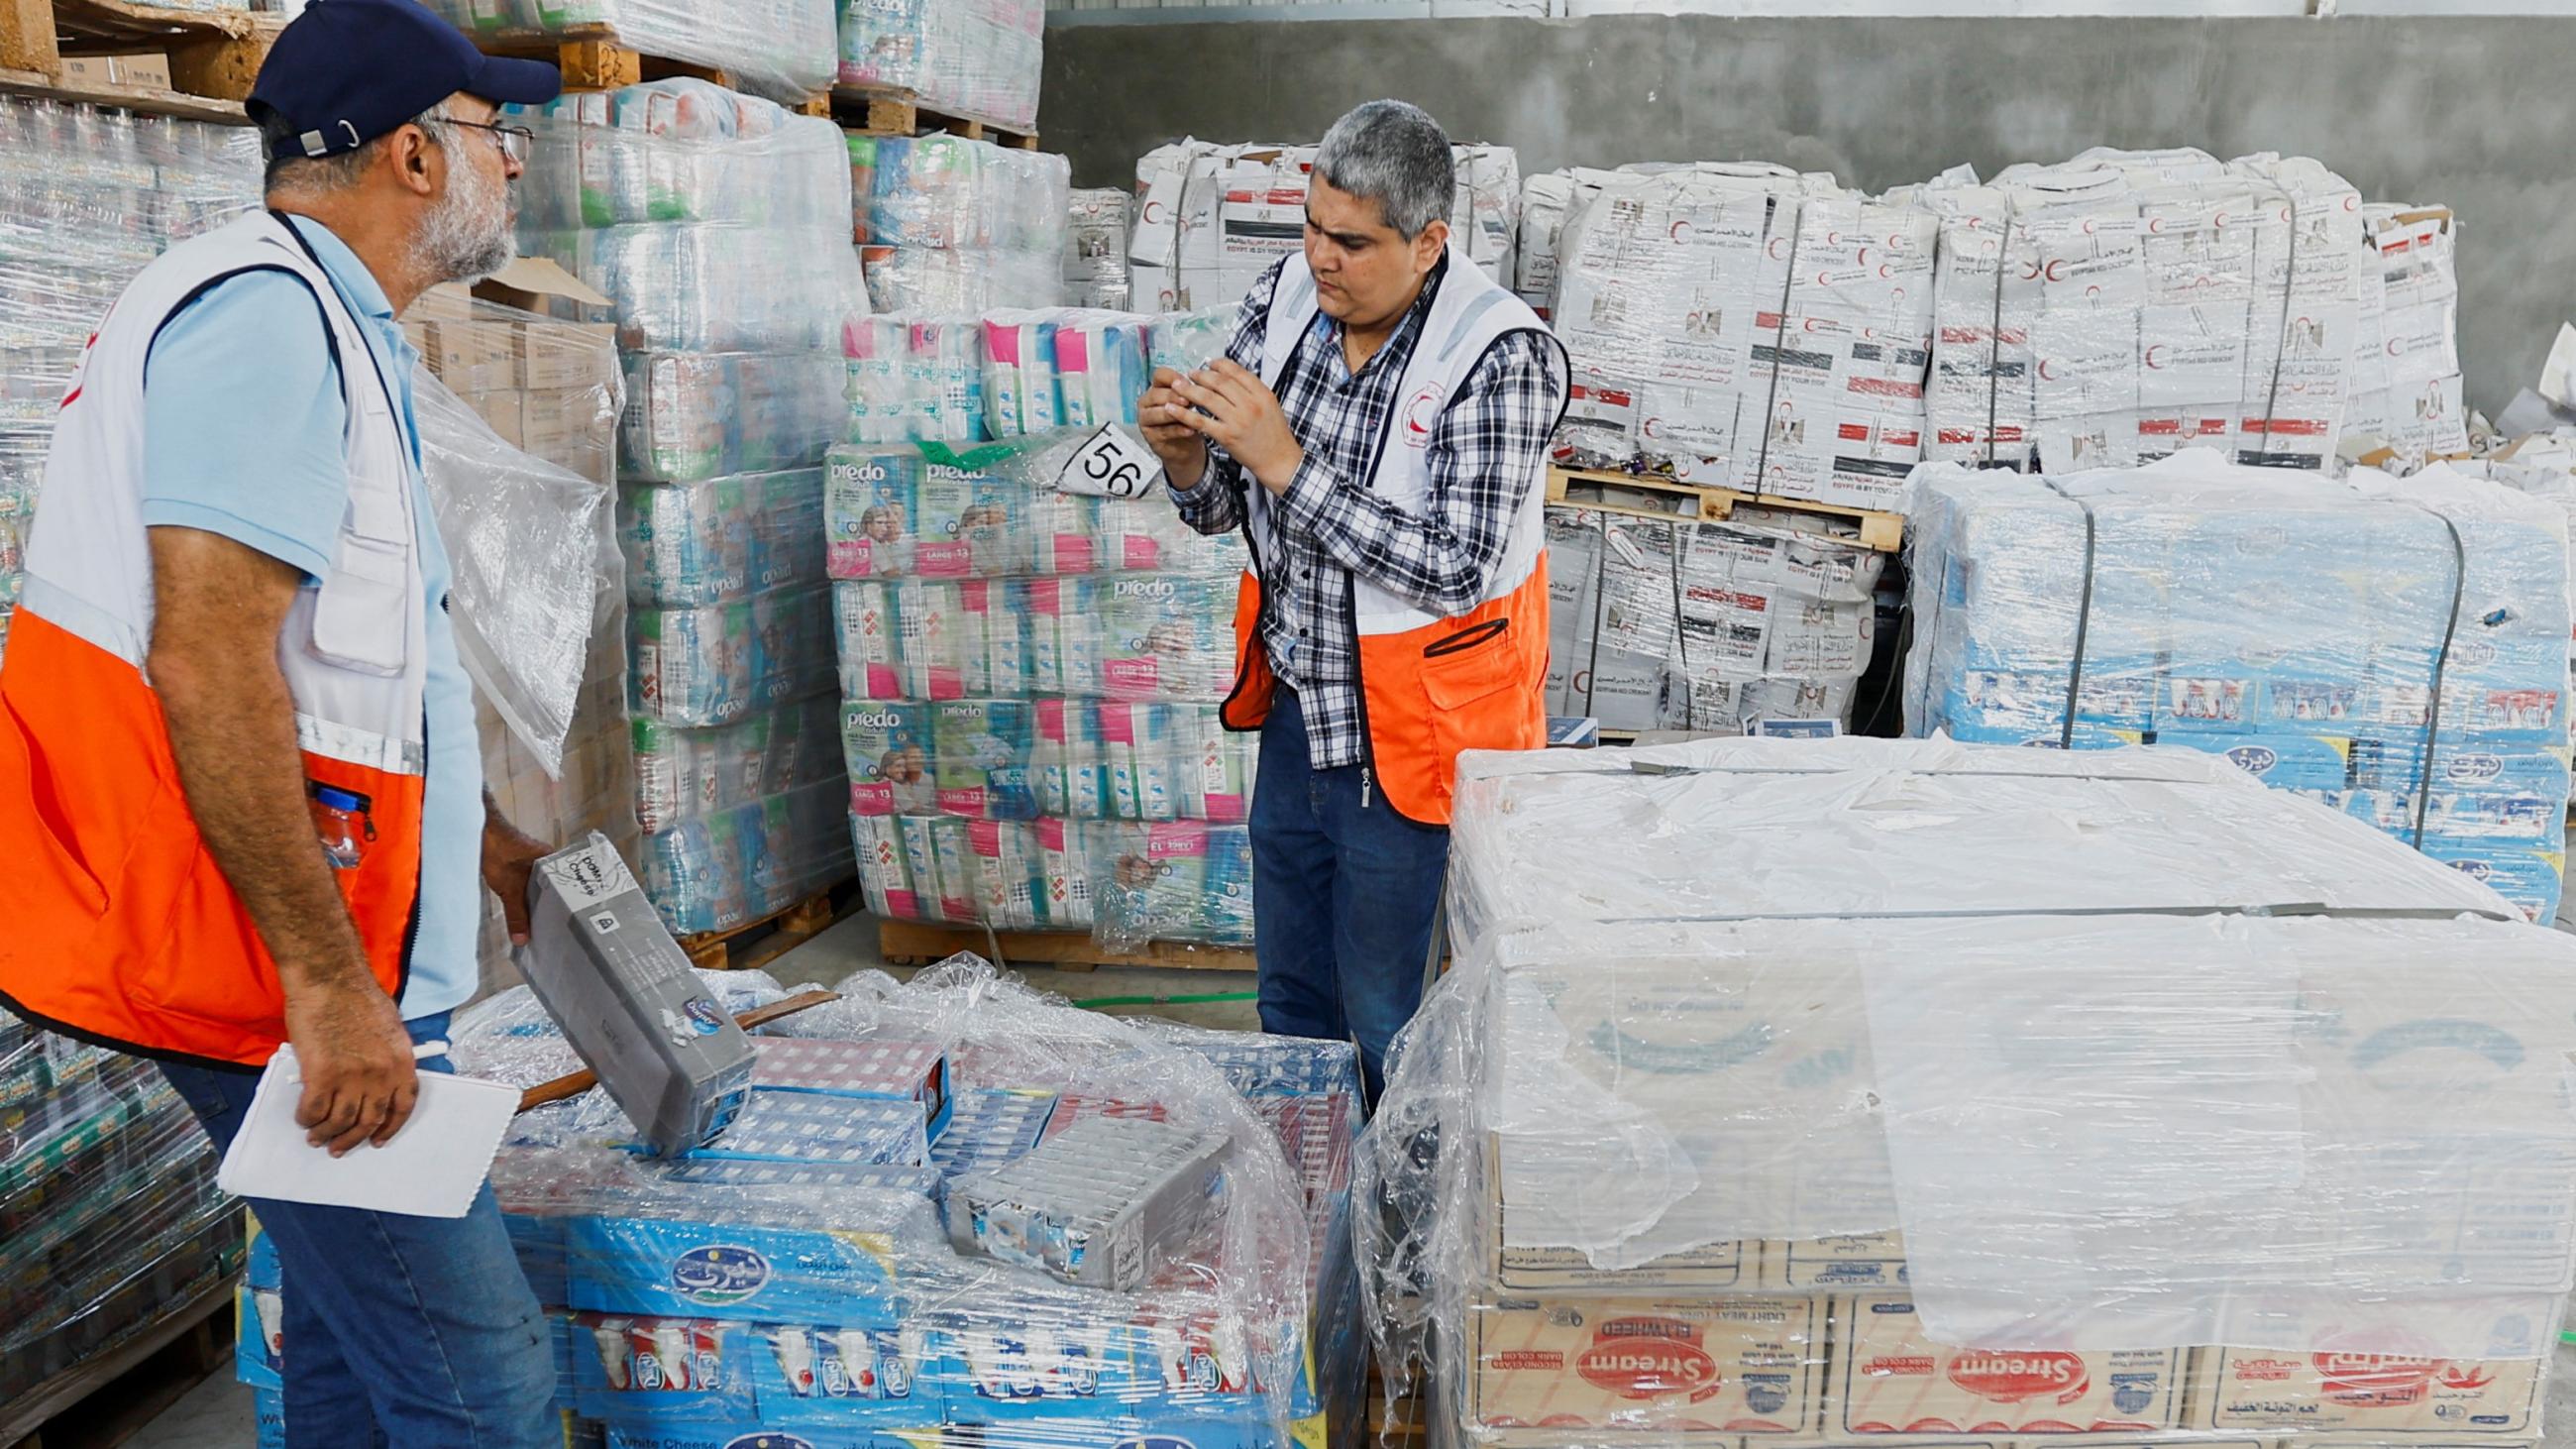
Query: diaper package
[(697, 415), (716, 663), (683, 773), (953, 225), (698, 543), (979, 60), (721, 869), (914, 378), (780, 48)]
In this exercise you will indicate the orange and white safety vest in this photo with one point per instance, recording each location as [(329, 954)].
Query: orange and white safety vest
[(121, 929), (1430, 684)]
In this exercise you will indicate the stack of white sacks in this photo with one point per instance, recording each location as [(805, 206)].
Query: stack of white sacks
[(1095, 247), (1211, 218), (1659, 623), (1738, 324), (2406, 352), (1871, 1092), (1747, 326)]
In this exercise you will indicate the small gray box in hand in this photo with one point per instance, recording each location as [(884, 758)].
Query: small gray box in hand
[(608, 972)]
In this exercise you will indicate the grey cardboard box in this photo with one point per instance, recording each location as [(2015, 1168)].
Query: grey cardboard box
[(608, 972)]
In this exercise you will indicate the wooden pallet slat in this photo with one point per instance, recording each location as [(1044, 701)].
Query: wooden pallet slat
[(886, 111), (764, 939), (112, 1395), (1708, 503), (214, 55), (924, 943)]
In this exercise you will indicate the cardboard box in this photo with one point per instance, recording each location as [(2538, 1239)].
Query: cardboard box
[(138, 72), (1891, 1380), (498, 410), (471, 356), (2370, 1396), (1857, 1260), (1751, 1366)]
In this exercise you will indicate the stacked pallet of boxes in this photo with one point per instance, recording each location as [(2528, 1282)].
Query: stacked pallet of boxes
[(977, 59), (781, 49), (2124, 305), (1210, 218), (87, 197), (110, 1222), (2396, 649), (957, 227), (718, 225), (521, 464), (1031, 662), (1906, 1092), (948, 1208)]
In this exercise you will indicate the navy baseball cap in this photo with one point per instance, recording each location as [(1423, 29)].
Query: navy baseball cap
[(348, 71)]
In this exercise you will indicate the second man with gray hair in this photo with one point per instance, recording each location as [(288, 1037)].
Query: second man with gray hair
[(1378, 428)]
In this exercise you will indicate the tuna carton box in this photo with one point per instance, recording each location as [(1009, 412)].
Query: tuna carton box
[(1890, 1379), (2370, 1397), (1751, 1366)]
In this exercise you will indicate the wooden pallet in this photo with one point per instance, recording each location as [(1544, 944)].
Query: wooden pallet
[(885, 111), (593, 58), (758, 942), (214, 55), (108, 1399), (921, 943), (1671, 498)]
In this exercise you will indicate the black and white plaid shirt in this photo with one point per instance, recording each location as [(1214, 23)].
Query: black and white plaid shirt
[(1485, 456)]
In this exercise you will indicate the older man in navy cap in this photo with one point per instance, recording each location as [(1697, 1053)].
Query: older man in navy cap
[(237, 737)]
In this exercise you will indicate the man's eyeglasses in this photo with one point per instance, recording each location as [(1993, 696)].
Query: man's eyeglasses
[(515, 141)]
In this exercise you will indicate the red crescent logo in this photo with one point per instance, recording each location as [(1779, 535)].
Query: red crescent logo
[(2155, 225), (2088, 226), (2396, 348), (1885, 271), (1680, 230), (1860, 257), (2150, 357), (1773, 249), (2044, 372), (1807, 326), (2051, 269), (1152, 208)]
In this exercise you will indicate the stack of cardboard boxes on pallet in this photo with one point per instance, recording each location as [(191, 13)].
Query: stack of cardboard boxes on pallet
[(1782, 1003)]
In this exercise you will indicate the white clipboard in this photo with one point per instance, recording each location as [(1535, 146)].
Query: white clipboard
[(430, 1169)]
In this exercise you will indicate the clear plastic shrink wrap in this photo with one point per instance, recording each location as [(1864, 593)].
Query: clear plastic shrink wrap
[(841, 1267), (1212, 217), (718, 224), (974, 58), (949, 225), (2394, 648), (110, 1221), (781, 49), (1774, 621), (2124, 305), (87, 198), (1860, 1091)]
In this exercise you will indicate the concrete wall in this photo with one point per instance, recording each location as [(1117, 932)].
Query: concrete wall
[(2476, 113)]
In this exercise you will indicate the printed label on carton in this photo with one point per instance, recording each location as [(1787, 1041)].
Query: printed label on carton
[(1891, 1379), (1750, 1366), (2372, 1394)]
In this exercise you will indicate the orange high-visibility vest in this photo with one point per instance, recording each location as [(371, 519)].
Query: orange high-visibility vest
[(121, 930), (1431, 685)]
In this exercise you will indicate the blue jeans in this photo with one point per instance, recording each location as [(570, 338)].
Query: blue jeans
[(409, 1332), (1344, 895)]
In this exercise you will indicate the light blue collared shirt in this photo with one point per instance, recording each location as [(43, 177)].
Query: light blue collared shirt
[(243, 419)]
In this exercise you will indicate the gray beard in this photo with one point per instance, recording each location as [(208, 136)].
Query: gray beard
[(469, 234)]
